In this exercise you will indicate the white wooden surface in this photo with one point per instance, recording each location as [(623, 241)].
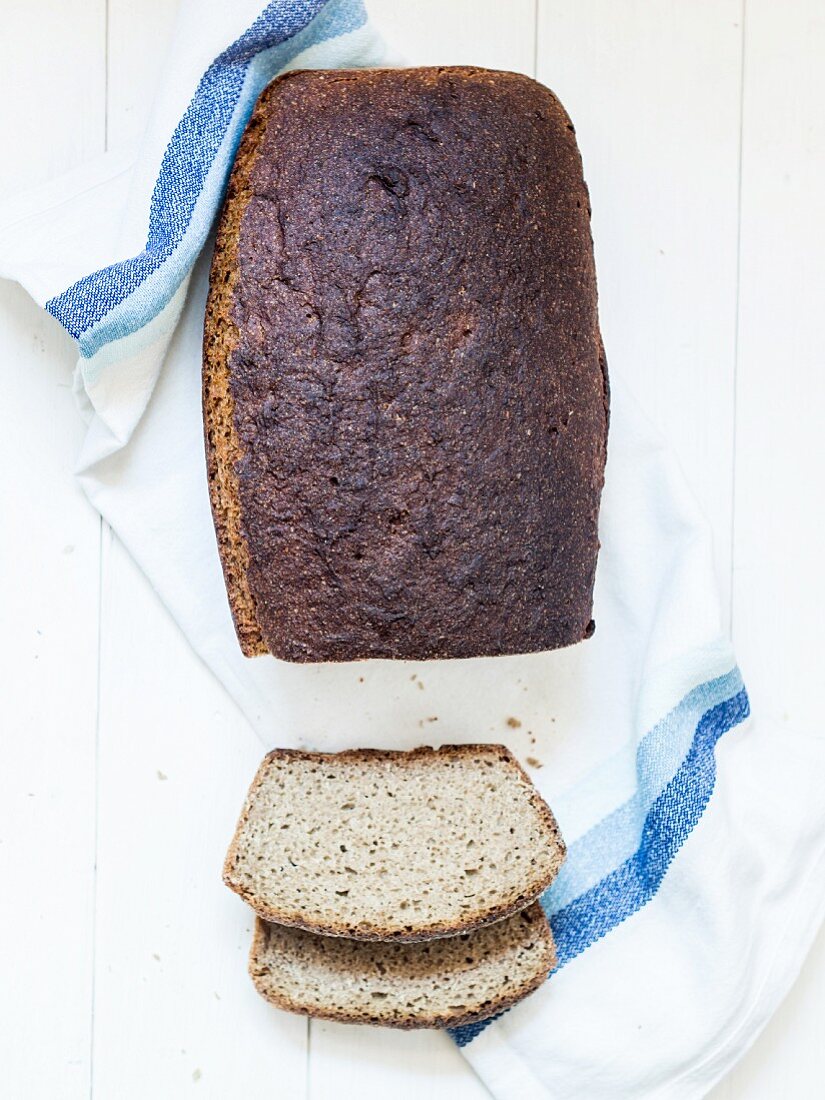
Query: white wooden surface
[(702, 131)]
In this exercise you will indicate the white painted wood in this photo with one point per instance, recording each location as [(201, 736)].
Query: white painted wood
[(654, 92), (779, 535), (779, 602), (174, 1006), (53, 65), (49, 557), (460, 32), (138, 39)]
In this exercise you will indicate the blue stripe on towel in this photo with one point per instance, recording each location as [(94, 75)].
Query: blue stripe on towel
[(209, 131), (660, 752), (670, 820)]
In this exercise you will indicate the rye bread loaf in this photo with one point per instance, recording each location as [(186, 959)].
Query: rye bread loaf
[(440, 983), (392, 845), (405, 393)]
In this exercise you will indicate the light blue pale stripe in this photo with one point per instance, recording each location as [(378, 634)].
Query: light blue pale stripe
[(660, 753)]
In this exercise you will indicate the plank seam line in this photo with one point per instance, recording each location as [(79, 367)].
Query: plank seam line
[(737, 318), (96, 814), (101, 526)]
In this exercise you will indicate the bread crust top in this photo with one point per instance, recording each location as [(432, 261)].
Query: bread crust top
[(402, 327)]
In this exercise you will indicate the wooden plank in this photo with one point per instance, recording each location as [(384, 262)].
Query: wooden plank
[(49, 570), (463, 32), (174, 1006), (48, 652), (53, 61), (779, 537), (654, 93), (379, 1063), (138, 39)]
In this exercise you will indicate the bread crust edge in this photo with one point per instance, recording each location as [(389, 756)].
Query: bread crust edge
[(410, 1023), (220, 337)]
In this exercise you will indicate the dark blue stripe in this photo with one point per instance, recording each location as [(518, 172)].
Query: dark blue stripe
[(671, 819), (186, 162)]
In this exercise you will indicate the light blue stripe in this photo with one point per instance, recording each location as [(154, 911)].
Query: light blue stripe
[(659, 755), (118, 351)]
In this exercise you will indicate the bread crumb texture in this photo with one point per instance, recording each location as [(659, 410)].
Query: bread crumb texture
[(393, 845)]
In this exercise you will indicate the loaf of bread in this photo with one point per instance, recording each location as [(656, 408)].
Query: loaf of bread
[(392, 845), (441, 983), (405, 392)]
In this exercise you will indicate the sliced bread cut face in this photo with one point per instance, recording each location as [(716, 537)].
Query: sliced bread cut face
[(438, 983), (393, 845)]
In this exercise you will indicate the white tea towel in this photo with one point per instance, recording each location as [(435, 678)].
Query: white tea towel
[(694, 882)]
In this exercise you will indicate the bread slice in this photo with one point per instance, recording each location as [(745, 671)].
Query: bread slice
[(440, 983), (393, 845)]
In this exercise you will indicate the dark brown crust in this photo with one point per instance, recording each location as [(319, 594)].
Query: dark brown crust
[(378, 932), (223, 452), (417, 384), (435, 1021)]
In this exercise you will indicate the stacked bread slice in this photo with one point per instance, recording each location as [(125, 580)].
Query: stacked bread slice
[(396, 888)]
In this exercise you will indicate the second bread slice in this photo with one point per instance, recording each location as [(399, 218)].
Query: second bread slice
[(393, 845), (442, 983)]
